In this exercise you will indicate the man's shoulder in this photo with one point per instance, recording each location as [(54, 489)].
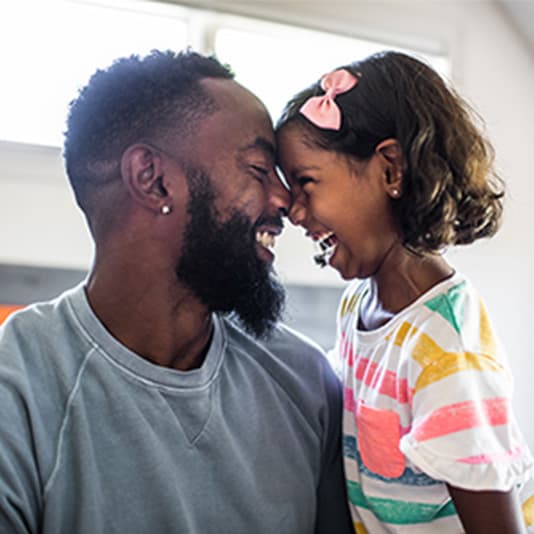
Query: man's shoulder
[(293, 363), (283, 340), (286, 352), (285, 336), (37, 319), (35, 340)]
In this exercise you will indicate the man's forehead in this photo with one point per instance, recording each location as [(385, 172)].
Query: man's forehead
[(226, 92), (239, 114), (261, 144)]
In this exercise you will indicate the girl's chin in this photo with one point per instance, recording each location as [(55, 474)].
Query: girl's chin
[(345, 274), (336, 262), (346, 270)]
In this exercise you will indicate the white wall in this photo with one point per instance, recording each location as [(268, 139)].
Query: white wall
[(41, 225), (491, 66)]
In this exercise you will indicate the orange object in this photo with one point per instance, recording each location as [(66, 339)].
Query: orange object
[(6, 309)]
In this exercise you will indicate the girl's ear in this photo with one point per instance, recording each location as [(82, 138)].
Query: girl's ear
[(144, 177), (390, 153)]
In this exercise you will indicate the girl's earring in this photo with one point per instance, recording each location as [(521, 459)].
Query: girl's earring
[(395, 193), (165, 210)]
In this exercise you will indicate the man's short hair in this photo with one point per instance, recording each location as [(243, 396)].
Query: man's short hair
[(135, 99)]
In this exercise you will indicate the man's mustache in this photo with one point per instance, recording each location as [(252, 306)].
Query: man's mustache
[(270, 220)]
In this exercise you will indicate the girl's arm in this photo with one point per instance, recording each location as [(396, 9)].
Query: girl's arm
[(488, 512)]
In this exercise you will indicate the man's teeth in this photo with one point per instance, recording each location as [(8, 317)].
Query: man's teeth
[(265, 239)]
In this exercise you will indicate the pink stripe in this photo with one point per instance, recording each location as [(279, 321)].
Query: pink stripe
[(493, 457), (350, 406), (384, 381), (462, 416), (348, 399), (404, 430), (346, 350)]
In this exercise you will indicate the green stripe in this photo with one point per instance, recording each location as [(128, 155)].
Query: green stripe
[(398, 512), (450, 306)]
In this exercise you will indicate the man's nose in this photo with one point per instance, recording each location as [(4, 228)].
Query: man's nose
[(279, 196)]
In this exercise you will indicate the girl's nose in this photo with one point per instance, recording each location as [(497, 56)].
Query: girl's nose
[(297, 213)]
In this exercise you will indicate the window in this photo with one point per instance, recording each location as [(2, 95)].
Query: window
[(48, 50), (275, 61)]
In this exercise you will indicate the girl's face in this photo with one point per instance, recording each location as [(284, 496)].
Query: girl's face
[(332, 194)]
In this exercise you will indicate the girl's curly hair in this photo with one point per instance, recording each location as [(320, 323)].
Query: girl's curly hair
[(451, 192)]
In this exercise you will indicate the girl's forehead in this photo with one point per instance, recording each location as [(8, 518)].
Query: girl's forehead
[(307, 135), (291, 145), (291, 129), (294, 137)]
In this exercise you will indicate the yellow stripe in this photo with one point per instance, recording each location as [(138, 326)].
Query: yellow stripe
[(348, 305), (426, 351), (528, 511), (454, 362), (406, 330), (487, 339), (437, 363), (360, 529)]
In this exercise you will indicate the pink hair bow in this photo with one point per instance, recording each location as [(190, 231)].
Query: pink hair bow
[(322, 110)]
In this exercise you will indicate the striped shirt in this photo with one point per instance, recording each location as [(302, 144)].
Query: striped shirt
[(427, 402)]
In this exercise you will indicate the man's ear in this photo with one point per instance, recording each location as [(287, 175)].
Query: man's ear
[(390, 153), (144, 177)]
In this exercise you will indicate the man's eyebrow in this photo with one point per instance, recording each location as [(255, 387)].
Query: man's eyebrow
[(262, 144)]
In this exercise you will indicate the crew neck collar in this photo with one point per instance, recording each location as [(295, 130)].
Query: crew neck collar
[(137, 366)]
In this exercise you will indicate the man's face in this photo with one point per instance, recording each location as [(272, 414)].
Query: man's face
[(221, 265), (234, 211)]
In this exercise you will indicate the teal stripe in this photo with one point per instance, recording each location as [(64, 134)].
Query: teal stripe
[(398, 512), (450, 306), (408, 477)]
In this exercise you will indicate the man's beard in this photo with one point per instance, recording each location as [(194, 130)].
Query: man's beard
[(220, 264)]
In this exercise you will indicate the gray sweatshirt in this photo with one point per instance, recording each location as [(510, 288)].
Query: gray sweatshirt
[(95, 439)]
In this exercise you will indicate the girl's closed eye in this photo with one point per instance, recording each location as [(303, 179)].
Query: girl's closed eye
[(304, 181)]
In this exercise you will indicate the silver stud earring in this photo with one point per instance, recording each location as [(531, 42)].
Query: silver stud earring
[(395, 193), (165, 210)]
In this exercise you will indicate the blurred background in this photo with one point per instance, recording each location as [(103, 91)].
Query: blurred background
[(48, 49)]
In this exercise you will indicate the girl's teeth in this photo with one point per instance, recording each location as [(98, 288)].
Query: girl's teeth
[(326, 246)]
